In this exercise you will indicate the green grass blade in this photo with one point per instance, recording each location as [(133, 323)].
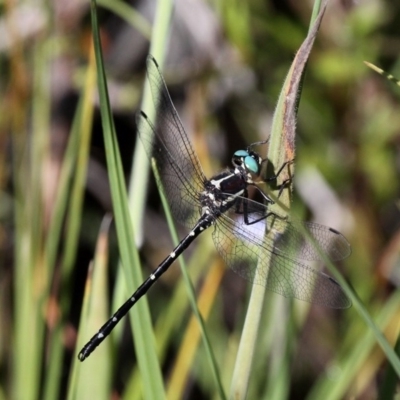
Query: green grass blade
[(140, 167), (94, 380), (74, 165), (140, 315), (380, 71), (389, 384), (315, 12), (139, 174), (30, 272), (281, 150), (129, 14)]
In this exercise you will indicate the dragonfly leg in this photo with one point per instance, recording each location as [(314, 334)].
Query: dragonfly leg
[(285, 183), (245, 195), (244, 210), (269, 214), (264, 195), (275, 177)]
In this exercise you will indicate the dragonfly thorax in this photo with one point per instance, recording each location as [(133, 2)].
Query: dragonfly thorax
[(222, 190)]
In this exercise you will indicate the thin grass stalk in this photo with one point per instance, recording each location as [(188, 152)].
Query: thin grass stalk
[(356, 301), (380, 71), (187, 352), (171, 319), (348, 365), (74, 215), (360, 307), (168, 322), (192, 295), (54, 365), (75, 372)]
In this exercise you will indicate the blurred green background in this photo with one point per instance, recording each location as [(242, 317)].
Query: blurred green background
[(225, 65)]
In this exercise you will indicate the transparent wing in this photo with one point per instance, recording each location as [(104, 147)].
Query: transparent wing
[(272, 262), (181, 195), (181, 175), (289, 237)]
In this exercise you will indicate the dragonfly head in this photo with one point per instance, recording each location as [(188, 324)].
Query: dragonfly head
[(250, 161)]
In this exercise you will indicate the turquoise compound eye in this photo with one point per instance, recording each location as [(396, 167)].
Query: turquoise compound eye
[(241, 153), (251, 165)]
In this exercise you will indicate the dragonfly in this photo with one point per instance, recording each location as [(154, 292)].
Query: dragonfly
[(258, 244)]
